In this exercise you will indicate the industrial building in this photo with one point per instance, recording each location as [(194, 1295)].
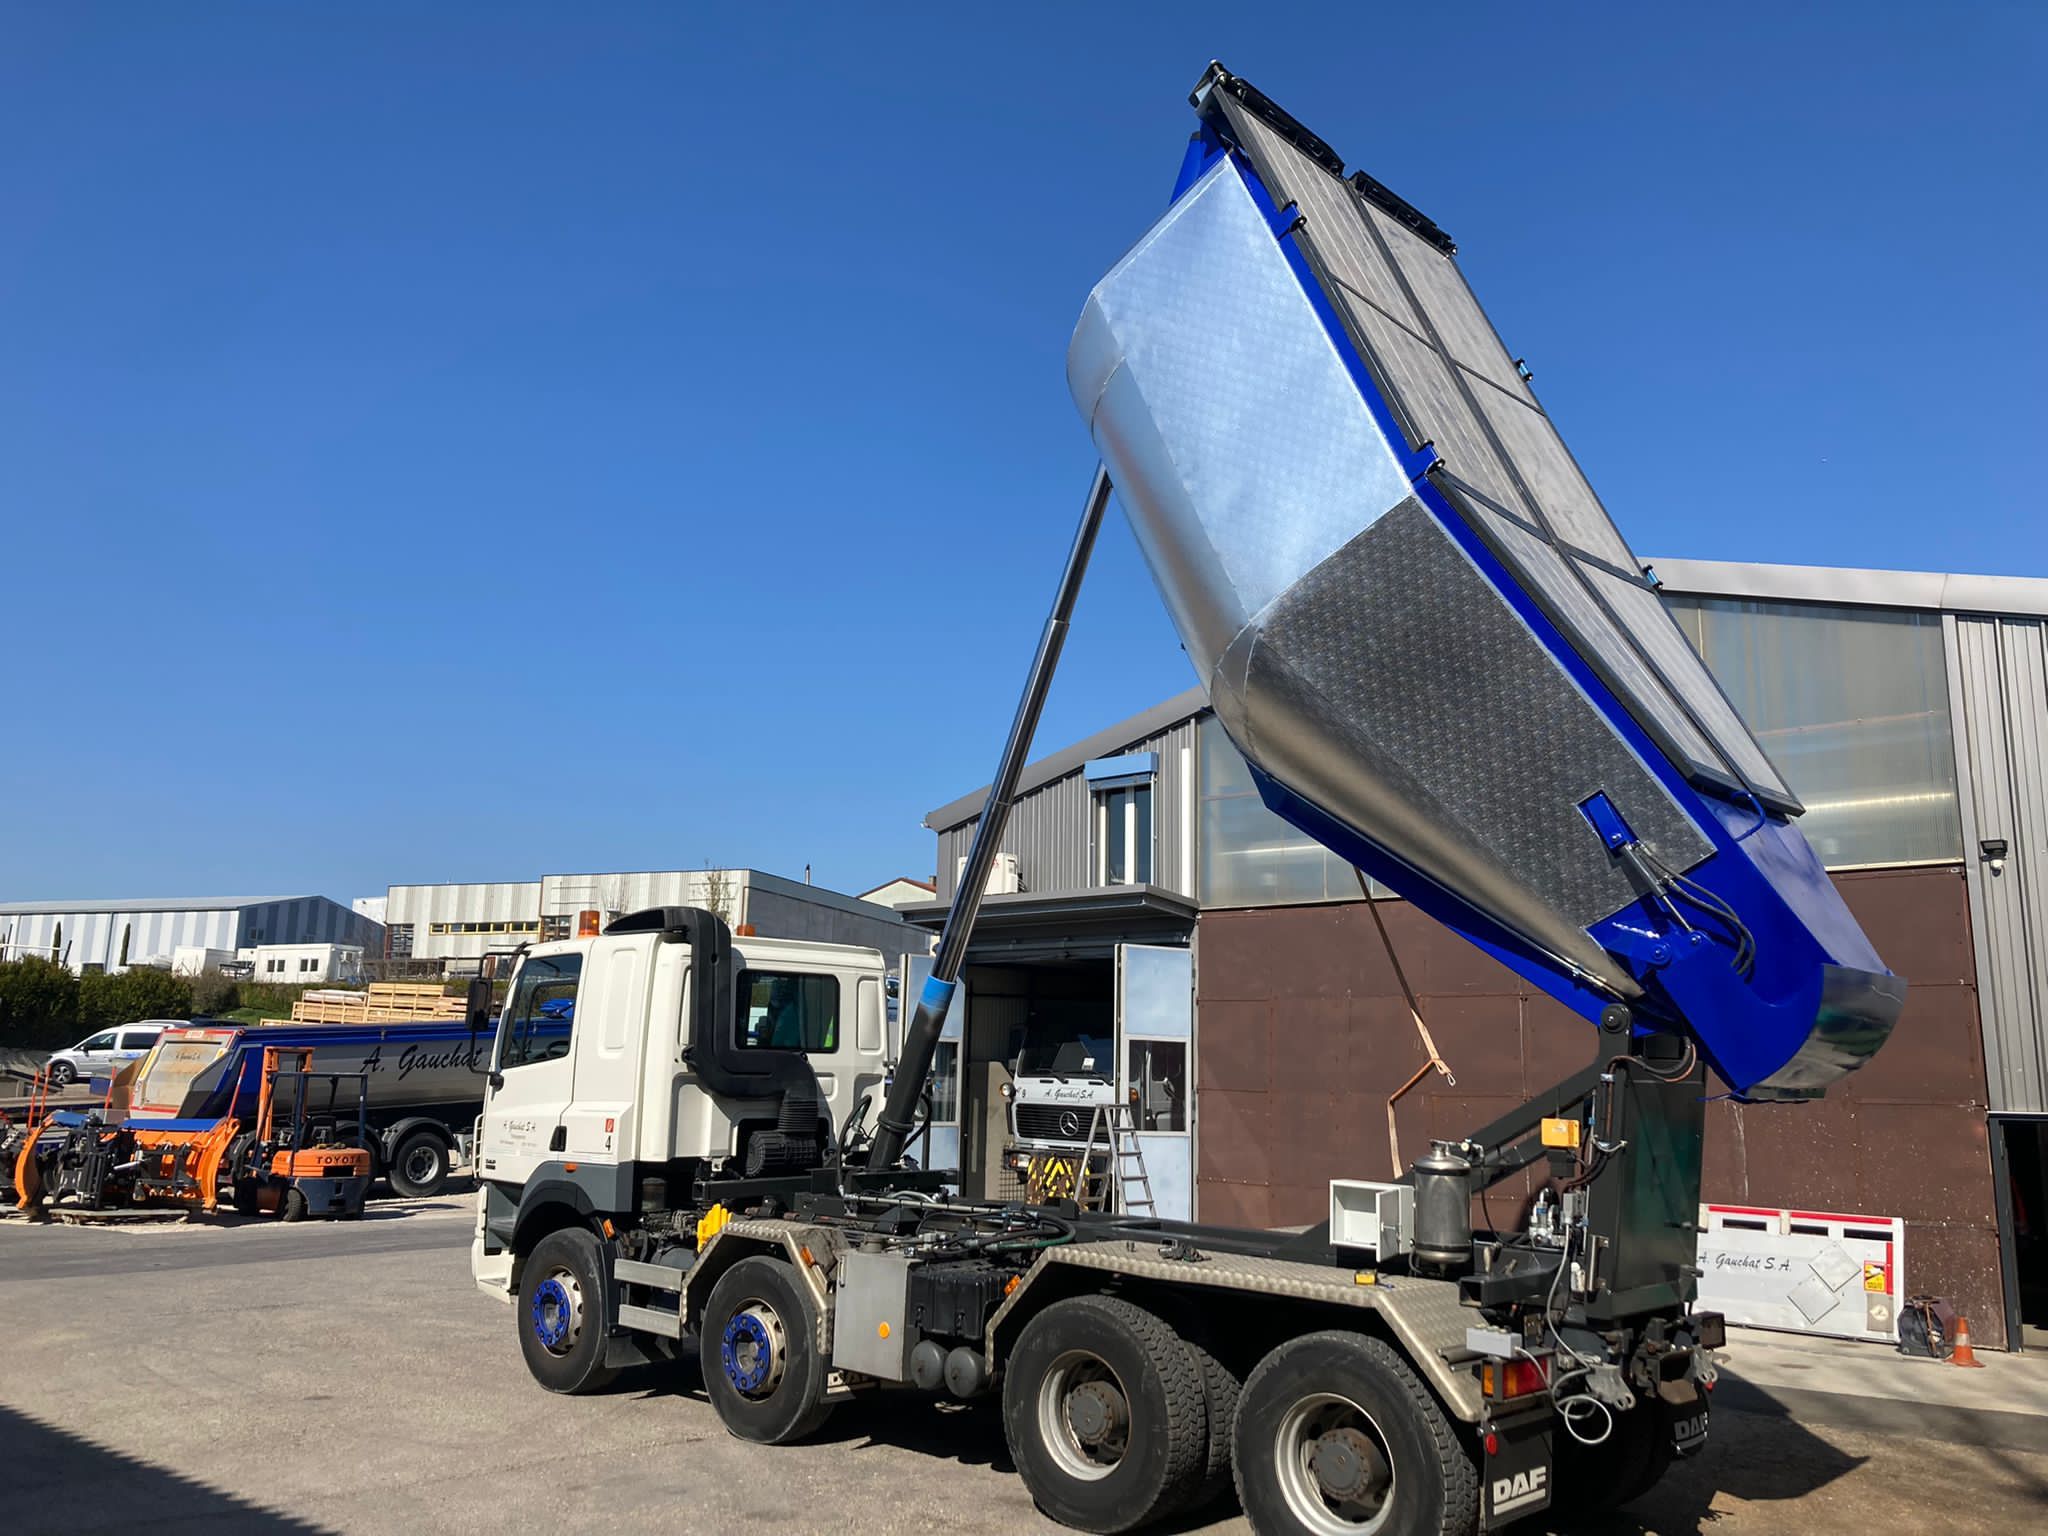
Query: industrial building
[(457, 924), (113, 935), (1234, 961)]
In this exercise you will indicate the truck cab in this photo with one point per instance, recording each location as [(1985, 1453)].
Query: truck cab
[(612, 1083)]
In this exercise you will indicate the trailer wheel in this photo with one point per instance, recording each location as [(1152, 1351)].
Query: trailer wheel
[(1337, 1436), (561, 1313), (419, 1165), (762, 1369), (1104, 1409)]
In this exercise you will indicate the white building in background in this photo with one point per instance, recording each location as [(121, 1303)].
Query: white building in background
[(113, 935), (305, 964), (901, 892), (371, 907), (457, 924)]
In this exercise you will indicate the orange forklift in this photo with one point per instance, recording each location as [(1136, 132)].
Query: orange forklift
[(304, 1161)]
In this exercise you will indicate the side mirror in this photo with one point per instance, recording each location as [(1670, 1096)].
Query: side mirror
[(477, 1008), (476, 1011)]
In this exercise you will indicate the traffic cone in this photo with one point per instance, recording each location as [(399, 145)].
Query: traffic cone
[(1964, 1355)]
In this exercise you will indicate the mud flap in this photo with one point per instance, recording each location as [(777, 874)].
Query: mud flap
[(1685, 1410), (1514, 1475)]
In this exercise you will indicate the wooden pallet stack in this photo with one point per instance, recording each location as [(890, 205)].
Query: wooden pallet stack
[(386, 1002)]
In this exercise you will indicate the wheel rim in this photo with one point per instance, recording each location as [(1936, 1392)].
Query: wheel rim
[(1084, 1415), (558, 1311), (421, 1164), (1333, 1466), (754, 1349)]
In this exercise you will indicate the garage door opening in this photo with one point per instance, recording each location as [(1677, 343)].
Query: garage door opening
[(2020, 1161)]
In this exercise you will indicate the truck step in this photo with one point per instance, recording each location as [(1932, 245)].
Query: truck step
[(661, 1276), (652, 1320)]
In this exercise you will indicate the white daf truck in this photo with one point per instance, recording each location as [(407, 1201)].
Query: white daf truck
[(1311, 425)]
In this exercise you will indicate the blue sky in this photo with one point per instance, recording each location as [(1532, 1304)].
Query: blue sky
[(462, 442)]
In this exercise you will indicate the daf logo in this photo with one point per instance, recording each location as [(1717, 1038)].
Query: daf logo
[(1524, 1488), (1070, 1124)]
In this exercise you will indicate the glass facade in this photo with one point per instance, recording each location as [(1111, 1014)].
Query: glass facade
[(1850, 703), (1248, 856)]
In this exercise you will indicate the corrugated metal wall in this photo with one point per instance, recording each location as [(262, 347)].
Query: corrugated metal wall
[(1051, 829), (1998, 680), (424, 905), (94, 938)]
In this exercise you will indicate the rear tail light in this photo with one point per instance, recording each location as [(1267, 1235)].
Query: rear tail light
[(1502, 1380)]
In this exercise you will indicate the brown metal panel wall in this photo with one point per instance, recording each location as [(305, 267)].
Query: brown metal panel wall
[(1304, 1034), (1051, 833)]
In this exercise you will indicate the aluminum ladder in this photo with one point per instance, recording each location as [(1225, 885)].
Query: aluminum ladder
[(1112, 1127)]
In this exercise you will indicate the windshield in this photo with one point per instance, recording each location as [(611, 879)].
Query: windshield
[(1079, 1055), (171, 1068)]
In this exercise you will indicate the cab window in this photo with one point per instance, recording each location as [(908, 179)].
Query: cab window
[(540, 1015), (100, 1042), (789, 1011)]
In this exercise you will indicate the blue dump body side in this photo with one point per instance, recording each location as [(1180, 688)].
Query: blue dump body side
[(410, 1065), (1419, 625)]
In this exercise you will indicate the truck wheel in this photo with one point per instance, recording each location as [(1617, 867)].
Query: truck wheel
[(561, 1313), (419, 1165), (762, 1369), (1103, 1407), (1220, 1391), (1337, 1436)]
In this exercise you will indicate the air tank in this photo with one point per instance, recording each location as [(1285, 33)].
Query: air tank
[(1443, 1207)]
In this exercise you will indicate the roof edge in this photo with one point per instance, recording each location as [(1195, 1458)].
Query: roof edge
[(1068, 759), (1929, 591)]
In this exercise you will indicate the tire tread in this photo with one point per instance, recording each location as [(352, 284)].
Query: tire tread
[(1185, 1427), (1460, 1475)]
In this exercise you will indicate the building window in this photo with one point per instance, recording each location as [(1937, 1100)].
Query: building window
[(1159, 1085), (1852, 706), (788, 1011), (554, 926), (309, 965), (398, 941), (1123, 835)]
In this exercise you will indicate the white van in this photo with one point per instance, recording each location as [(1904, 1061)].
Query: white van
[(106, 1052)]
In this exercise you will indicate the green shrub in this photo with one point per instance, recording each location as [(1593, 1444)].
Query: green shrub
[(38, 1003), (270, 999), (214, 994), (105, 999)]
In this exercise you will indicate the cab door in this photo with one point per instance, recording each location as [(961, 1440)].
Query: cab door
[(522, 1119), (598, 1122)]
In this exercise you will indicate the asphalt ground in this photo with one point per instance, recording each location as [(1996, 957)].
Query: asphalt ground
[(347, 1377)]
